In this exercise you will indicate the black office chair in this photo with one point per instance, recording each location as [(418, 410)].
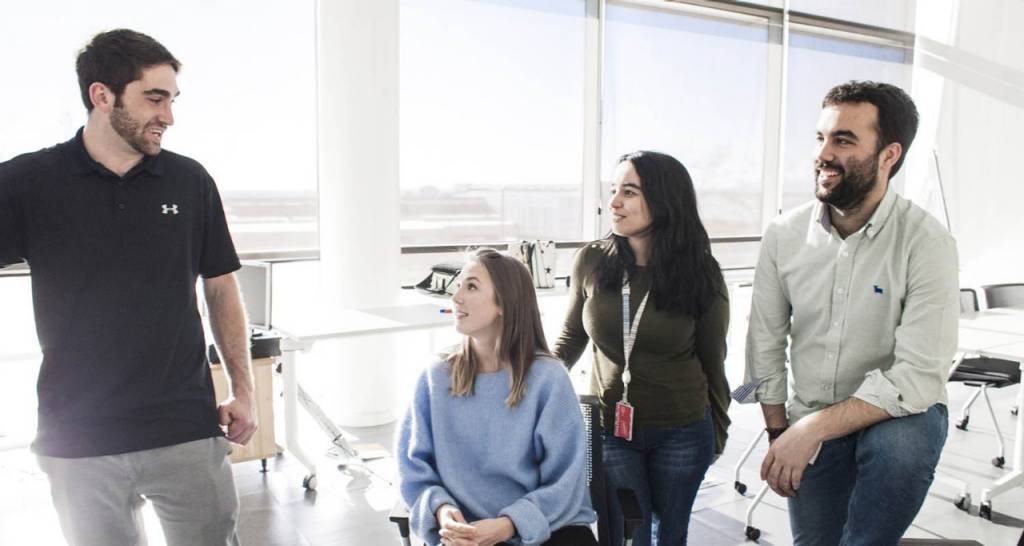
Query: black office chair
[(1004, 295), (632, 517), (984, 373)]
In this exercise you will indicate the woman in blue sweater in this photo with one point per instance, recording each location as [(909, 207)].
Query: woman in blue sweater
[(491, 450)]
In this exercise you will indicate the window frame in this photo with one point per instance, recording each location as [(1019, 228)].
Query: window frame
[(780, 21)]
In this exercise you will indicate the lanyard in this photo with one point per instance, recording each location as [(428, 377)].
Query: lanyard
[(629, 333)]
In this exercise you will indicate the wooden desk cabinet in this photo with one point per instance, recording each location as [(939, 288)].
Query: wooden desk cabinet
[(263, 444)]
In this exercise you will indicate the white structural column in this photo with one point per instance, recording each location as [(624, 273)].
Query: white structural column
[(357, 50), (357, 104)]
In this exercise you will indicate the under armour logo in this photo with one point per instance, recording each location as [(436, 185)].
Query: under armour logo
[(169, 209)]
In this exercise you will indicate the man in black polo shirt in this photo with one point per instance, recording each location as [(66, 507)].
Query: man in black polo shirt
[(116, 232)]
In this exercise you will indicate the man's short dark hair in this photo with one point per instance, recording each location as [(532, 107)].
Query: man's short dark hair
[(117, 58), (897, 115)]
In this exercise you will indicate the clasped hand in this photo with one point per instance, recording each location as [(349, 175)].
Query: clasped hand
[(456, 531), (787, 458)]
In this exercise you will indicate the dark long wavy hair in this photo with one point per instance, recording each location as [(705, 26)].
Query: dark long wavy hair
[(683, 271)]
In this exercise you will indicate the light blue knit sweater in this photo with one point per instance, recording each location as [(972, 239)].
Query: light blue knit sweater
[(490, 460)]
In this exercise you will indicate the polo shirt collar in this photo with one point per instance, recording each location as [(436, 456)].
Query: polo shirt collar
[(84, 163), (874, 224)]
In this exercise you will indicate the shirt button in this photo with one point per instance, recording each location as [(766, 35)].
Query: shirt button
[(841, 291), (831, 356), (845, 254), (121, 206), (836, 324), (871, 233)]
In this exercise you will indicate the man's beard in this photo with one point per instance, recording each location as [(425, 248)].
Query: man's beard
[(858, 179), (131, 131)]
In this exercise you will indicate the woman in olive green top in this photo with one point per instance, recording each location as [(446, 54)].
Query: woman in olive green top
[(662, 432)]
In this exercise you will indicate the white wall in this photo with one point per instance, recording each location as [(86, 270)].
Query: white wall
[(977, 57)]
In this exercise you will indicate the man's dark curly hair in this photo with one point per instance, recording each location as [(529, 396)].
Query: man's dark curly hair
[(117, 58), (897, 115)]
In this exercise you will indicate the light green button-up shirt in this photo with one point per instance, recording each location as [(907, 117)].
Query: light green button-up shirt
[(873, 316)]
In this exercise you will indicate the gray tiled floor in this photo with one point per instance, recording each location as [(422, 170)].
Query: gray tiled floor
[(351, 508)]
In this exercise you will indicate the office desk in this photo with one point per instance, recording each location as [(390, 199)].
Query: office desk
[(1007, 320), (263, 444), (998, 333), (319, 324)]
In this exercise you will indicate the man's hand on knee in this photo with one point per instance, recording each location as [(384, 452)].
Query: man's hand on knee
[(238, 416), (788, 457)]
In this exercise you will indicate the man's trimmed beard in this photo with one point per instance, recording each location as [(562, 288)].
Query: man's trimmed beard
[(858, 179), (131, 131)]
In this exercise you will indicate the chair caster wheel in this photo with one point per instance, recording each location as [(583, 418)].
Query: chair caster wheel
[(740, 487), (985, 510), (999, 461), (963, 502), (753, 533), (962, 423), (309, 482)]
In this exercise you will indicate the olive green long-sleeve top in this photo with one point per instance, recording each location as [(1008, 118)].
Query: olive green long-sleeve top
[(677, 365)]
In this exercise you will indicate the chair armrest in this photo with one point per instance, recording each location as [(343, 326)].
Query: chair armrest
[(632, 517), (400, 516)]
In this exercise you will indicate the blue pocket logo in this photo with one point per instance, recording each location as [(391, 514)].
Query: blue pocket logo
[(878, 289)]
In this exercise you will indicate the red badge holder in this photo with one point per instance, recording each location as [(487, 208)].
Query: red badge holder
[(624, 421)]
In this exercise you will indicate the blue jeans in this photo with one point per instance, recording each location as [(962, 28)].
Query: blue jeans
[(867, 487), (664, 467)]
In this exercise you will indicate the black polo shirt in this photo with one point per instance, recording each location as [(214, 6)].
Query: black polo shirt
[(114, 266)]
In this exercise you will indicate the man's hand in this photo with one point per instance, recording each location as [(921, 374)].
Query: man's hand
[(454, 529), (238, 417), (493, 531), (788, 457)]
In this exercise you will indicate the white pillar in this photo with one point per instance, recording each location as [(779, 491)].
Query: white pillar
[(357, 50), (357, 104)]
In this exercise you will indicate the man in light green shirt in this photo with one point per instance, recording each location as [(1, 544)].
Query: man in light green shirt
[(861, 286)]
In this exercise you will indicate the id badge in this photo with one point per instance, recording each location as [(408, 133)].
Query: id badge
[(624, 421)]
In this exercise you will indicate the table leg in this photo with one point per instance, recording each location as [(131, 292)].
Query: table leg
[(291, 411), (1014, 478)]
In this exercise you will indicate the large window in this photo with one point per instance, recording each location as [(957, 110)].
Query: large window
[(891, 14), (491, 102), (497, 122), (494, 121), (247, 109), (817, 62), (692, 86)]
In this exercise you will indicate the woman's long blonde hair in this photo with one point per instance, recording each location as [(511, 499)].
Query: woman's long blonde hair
[(522, 336)]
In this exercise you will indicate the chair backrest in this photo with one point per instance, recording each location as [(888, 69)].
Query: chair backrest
[(1004, 295), (595, 465), (968, 300)]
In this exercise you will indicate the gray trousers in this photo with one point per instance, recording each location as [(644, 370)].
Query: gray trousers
[(99, 499)]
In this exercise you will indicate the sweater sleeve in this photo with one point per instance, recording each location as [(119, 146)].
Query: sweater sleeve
[(559, 440), (419, 482), (573, 339), (711, 330)]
